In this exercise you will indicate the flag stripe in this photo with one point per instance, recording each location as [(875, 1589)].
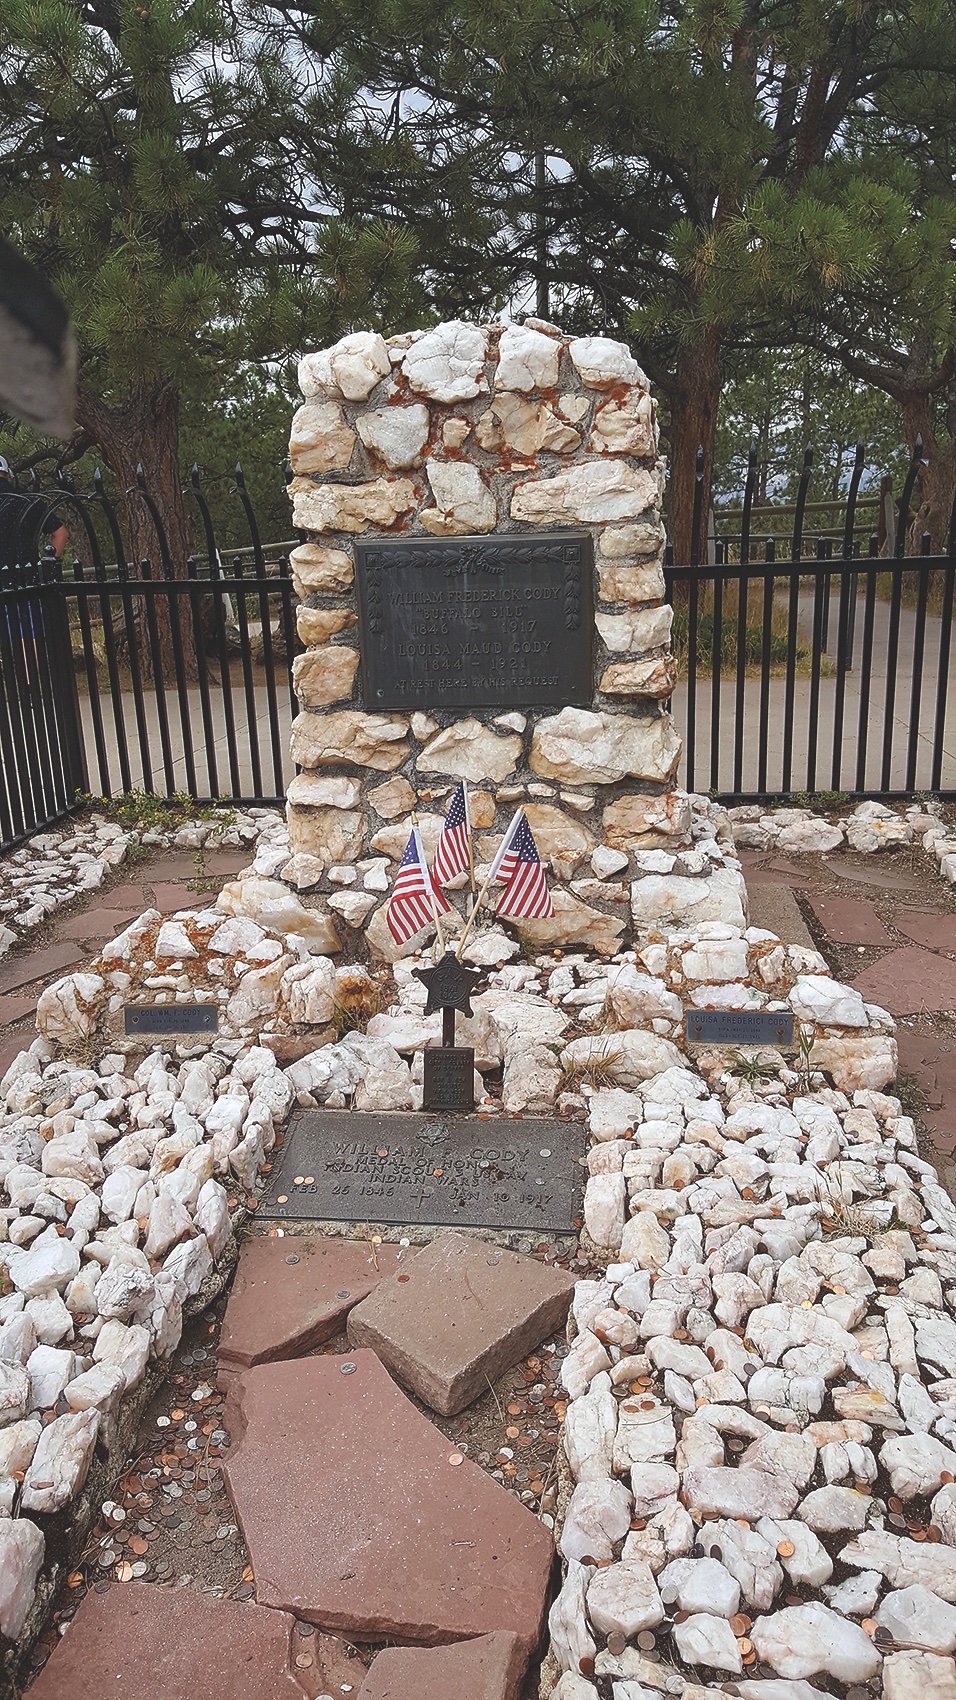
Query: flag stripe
[(451, 855), (410, 905)]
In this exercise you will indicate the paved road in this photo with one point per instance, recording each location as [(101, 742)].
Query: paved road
[(701, 773), (257, 729)]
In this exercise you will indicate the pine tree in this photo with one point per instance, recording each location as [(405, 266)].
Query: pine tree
[(658, 127), (148, 164)]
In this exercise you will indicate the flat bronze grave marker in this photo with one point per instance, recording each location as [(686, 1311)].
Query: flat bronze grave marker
[(171, 1018), (446, 1171), (739, 1027)]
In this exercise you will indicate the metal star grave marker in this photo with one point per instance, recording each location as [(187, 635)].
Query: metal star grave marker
[(449, 1072)]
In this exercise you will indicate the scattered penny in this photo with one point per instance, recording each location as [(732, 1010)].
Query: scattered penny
[(786, 1549), (616, 1643), (869, 1625), (456, 1458), (646, 1640), (740, 1624)]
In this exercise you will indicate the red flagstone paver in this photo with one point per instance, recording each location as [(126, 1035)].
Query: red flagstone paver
[(293, 1293), (168, 899), (909, 980), (935, 931), (847, 921), (123, 897), (98, 923), (931, 1060), (143, 1642), (463, 1312), (361, 1517), (43, 964), (488, 1668), (13, 1008)]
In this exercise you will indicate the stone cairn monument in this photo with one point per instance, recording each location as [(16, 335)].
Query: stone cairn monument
[(482, 597)]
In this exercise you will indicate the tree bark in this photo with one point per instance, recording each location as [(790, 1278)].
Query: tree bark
[(695, 399), (936, 482), (145, 433)]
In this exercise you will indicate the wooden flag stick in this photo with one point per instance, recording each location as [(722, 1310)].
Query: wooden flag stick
[(431, 888), (471, 858), (479, 900)]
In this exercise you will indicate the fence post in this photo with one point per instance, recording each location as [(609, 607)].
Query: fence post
[(59, 648)]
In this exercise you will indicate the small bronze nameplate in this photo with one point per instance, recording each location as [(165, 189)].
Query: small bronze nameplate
[(172, 1018), (739, 1027), (477, 622), (449, 1078)]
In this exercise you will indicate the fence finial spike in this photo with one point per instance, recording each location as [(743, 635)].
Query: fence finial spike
[(699, 467), (858, 452), (140, 475), (808, 456), (194, 478), (97, 479), (753, 452), (240, 475)]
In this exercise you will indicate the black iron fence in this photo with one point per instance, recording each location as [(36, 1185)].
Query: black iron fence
[(117, 676), (821, 661), (825, 668)]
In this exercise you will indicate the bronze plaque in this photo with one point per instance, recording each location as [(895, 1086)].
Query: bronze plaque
[(449, 1080), (448, 1171), (739, 1027), (477, 622)]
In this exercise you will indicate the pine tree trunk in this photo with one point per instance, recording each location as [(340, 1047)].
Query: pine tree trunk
[(145, 433), (936, 484), (695, 398)]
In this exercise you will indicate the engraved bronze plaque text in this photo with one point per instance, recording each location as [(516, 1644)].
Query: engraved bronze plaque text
[(477, 622), (172, 1018), (449, 1171), (739, 1027)]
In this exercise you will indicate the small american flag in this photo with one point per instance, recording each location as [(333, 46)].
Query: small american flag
[(527, 896), (410, 907), (451, 856), (506, 861)]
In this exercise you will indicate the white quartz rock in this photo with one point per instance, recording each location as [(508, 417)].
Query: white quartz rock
[(18, 1442), (917, 1618), (125, 1346), (73, 1156), (50, 1368), (914, 1675), (707, 1586), (613, 1112), (15, 1389), (446, 364), (173, 943), (60, 1462), (97, 1389), (589, 1431), (857, 1596), (189, 1263), (751, 1559), (739, 1493), (124, 1287), (904, 1562), (809, 1563), (527, 360), (830, 1509), (654, 1486), (586, 1359), (598, 1514), (605, 1204), (50, 1321), (915, 1462), (624, 1598), (21, 1555), (707, 1640), (816, 997), (602, 362), (567, 1622), (801, 1641), (50, 1263), (212, 1217)]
